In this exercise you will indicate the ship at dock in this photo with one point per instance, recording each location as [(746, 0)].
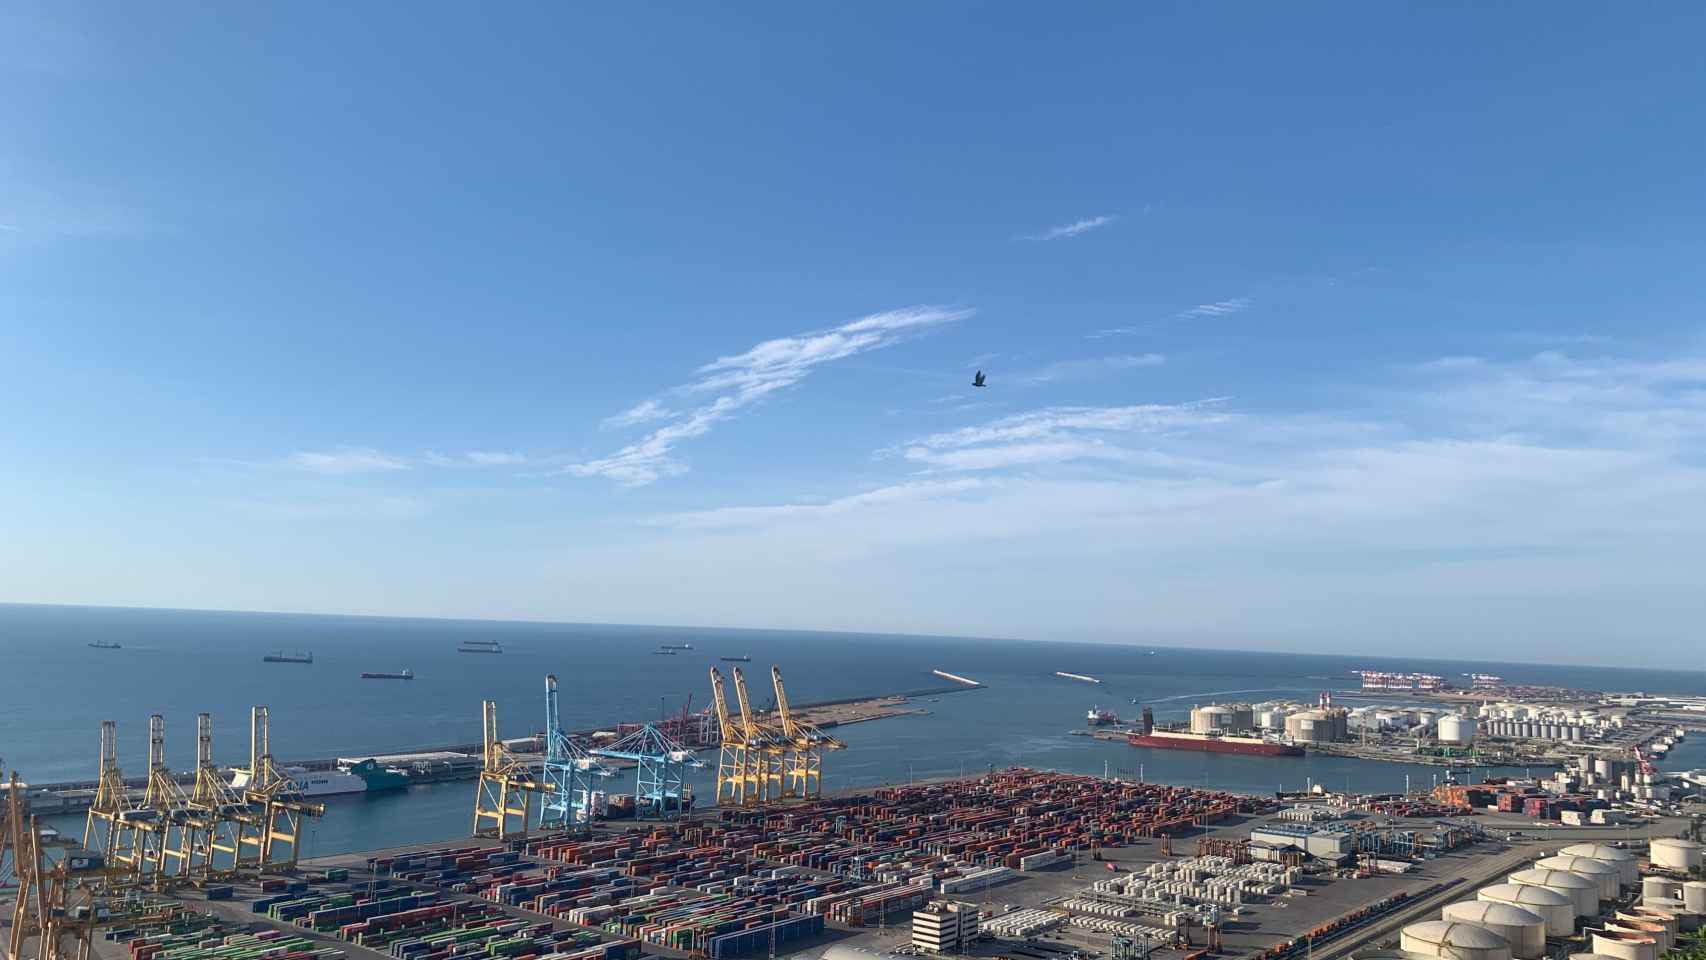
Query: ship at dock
[(381, 675), (1149, 736), (480, 646), (1098, 717), (279, 656)]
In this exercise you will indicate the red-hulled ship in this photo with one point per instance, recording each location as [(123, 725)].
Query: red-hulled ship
[(1207, 743)]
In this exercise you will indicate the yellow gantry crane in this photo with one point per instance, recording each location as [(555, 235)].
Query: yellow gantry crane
[(802, 765), (749, 767), (504, 781), (276, 810), (213, 813), (57, 907), (110, 828), (161, 824)]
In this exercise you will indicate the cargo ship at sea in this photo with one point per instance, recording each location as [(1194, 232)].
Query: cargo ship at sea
[(1149, 736), (746, 659), (279, 656), (479, 646), (675, 646), (380, 675), (1101, 718), (104, 645)]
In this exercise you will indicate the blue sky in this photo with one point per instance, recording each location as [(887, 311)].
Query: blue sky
[(1344, 327)]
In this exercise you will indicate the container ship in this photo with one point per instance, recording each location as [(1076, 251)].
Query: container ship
[(104, 645), (280, 656), (479, 646), (380, 675), (1207, 742)]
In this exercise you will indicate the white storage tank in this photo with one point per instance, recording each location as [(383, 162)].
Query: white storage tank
[(1524, 930), (1660, 888), (1212, 719), (1655, 927), (1456, 729), (1456, 941), (1584, 893), (1603, 874), (1680, 855), (1557, 909), (1625, 946), (1628, 867), (1694, 896), (1671, 919)]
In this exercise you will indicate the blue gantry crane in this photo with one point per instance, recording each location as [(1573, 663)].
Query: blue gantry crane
[(660, 777), (569, 771)]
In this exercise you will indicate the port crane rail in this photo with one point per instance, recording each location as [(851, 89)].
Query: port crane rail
[(569, 801)]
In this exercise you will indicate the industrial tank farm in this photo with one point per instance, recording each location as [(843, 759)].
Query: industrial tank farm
[(1455, 941), (1524, 930)]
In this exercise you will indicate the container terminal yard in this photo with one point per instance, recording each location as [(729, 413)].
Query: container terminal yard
[(1017, 863)]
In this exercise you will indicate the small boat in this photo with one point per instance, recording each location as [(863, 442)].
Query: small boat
[(405, 675), (104, 645), (746, 659), (279, 656)]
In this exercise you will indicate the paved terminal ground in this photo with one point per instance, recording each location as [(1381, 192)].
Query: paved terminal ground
[(1314, 903)]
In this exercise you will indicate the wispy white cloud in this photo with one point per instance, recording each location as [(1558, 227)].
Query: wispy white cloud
[(494, 458), (1074, 228), (742, 379), (346, 460), (646, 411), (1088, 368), (1068, 432), (351, 460), (1202, 311), (729, 518)]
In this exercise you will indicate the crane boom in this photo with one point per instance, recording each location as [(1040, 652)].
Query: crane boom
[(719, 695), (753, 734), (789, 728)]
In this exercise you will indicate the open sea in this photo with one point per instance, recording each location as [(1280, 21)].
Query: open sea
[(55, 689)]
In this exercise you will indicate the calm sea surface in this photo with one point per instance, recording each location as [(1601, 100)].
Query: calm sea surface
[(55, 689)]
